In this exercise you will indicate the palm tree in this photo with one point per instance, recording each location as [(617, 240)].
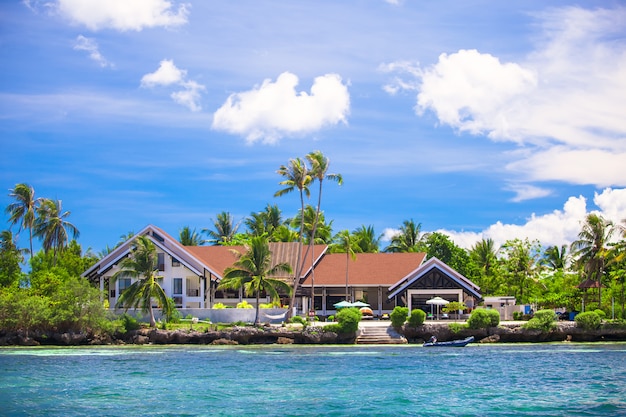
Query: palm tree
[(142, 265), (483, 255), (297, 177), (366, 238), (23, 210), (555, 257), (10, 259), (52, 226), (253, 272), (188, 237), (225, 229), (409, 238), (591, 248), (323, 231), (265, 222), (348, 244)]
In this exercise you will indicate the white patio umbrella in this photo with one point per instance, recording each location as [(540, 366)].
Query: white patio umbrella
[(436, 301)]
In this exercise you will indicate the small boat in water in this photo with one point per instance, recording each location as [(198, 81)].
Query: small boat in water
[(451, 343)]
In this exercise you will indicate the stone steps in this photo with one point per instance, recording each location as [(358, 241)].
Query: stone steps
[(379, 335)]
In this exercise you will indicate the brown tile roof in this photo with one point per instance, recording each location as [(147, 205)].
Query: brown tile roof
[(368, 269), (221, 257)]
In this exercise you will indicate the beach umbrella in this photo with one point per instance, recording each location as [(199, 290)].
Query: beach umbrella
[(360, 304), (436, 301), (343, 304)]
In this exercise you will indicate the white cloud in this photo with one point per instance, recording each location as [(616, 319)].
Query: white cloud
[(525, 192), (556, 228), (275, 109), (168, 74), (123, 15), (564, 102), (91, 46)]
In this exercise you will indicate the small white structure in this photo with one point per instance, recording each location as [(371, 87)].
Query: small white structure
[(505, 306)]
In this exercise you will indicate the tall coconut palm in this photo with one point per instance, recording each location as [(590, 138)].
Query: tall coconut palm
[(591, 248), (484, 255), (224, 229), (366, 238), (555, 257), (188, 237), (142, 265), (347, 243), (265, 222), (253, 271), (52, 226), (23, 210), (408, 239), (296, 177)]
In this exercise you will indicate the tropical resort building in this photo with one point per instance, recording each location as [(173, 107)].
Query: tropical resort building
[(190, 276)]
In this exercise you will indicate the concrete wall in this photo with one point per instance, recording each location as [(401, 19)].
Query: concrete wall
[(224, 315)]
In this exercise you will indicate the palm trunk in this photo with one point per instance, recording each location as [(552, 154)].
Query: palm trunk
[(256, 318), (298, 269), (152, 320)]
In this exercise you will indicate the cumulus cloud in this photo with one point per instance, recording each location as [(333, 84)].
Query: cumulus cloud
[(91, 46), (564, 102), (556, 228), (122, 15), (168, 74), (275, 109)]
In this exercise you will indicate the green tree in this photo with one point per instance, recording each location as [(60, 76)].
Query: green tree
[(265, 222), (483, 256), (10, 259), (141, 264), (253, 271), (367, 240), (188, 237), (440, 246), (555, 257), (296, 177), (347, 243), (408, 239), (591, 248), (23, 210), (520, 265), (224, 229), (52, 226)]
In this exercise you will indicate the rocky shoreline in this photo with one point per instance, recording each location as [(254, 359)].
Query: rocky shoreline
[(315, 335)]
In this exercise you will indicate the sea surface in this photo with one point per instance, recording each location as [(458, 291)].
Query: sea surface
[(277, 380)]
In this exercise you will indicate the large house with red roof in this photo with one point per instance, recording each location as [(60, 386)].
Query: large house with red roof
[(190, 276)]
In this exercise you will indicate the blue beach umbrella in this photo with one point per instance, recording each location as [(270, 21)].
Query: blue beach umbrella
[(343, 304)]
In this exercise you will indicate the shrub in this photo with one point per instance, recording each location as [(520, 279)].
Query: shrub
[(331, 318), (600, 313), (480, 319), (348, 319), (398, 316), (417, 317), (129, 322), (299, 319), (457, 327), (543, 320), (589, 320), (244, 304), (517, 315), (219, 306), (494, 317)]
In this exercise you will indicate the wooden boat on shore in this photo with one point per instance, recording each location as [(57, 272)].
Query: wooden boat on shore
[(451, 343)]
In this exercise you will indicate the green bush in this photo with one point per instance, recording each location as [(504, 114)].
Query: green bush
[(219, 306), (417, 317), (600, 313), (482, 318), (494, 317), (543, 320), (244, 304), (457, 327), (517, 315), (129, 322), (299, 320), (398, 316), (589, 320), (348, 319)]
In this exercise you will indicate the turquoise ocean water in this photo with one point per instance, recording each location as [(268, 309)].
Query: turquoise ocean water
[(478, 380)]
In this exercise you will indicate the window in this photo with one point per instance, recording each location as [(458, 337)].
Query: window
[(175, 262), (123, 283), (177, 286), (161, 261)]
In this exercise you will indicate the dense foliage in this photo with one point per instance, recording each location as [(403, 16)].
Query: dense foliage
[(398, 316), (544, 320), (347, 321), (589, 320), (417, 317), (482, 318)]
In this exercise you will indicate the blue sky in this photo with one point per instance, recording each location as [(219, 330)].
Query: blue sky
[(478, 118)]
